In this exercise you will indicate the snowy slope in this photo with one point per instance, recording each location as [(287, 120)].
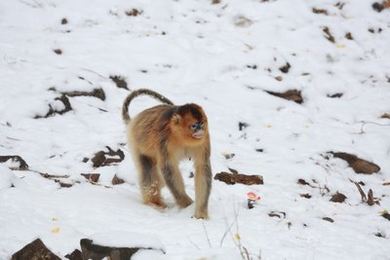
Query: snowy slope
[(223, 57)]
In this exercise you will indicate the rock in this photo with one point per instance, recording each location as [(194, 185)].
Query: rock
[(116, 180), (94, 177), (328, 219), (292, 95), (386, 215), (20, 163), (233, 178), (285, 68), (119, 80), (117, 245), (338, 197), (75, 255), (357, 164), (103, 158), (36, 250)]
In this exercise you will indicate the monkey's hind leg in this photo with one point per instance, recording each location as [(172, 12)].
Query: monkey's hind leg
[(174, 182), (150, 182)]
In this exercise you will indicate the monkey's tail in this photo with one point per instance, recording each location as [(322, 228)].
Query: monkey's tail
[(139, 92)]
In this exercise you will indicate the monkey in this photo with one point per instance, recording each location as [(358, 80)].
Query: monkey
[(159, 138)]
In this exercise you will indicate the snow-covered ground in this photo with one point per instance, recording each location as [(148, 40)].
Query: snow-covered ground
[(223, 56)]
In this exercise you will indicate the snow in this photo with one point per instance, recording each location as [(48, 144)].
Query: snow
[(223, 57)]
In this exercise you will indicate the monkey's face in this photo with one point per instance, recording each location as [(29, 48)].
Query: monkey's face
[(197, 129)]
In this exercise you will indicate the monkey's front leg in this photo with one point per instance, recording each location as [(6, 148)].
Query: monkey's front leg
[(203, 177), (174, 182)]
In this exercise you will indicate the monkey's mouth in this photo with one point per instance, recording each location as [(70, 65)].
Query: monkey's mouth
[(198, 134)]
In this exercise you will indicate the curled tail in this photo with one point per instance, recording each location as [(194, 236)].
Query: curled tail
[(139, 92)]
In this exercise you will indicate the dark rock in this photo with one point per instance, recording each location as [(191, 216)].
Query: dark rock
[(119, 81), (103, 158), (75, 255), (94, 177), (64, 21), (386, 116), (116, 180), (319, 11), (386, 215), (357, 164), (285, 68), (378, 7), (278, 214), (97, 92), (328, 219), (338, 197), (303, 182), (328, 34), (348, 36), (336, 95), (98, 252), (36, 250), (57, 51), (65, 100), (15, 158), (305, 195), (242, 125), (133, 12)]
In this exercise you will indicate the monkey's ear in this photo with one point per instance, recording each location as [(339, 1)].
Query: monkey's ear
[(176, 119)]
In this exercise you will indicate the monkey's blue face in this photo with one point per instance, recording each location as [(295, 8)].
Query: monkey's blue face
[(197, 130)]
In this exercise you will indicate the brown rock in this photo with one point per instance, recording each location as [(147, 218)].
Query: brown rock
[(233, 178), (292, 95), (98, 252), (338, 197), (94, 177), (36, 250), (357, 164), (75, 255), (116, 180)]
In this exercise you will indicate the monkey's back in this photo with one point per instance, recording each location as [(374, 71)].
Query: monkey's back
[(146, 128)]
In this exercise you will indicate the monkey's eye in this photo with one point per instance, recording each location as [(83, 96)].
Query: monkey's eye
[(197, 126)]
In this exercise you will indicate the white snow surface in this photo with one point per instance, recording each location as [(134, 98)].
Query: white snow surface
[(221, 56)]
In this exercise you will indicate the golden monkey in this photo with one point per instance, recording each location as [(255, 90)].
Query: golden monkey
[(161, 136)]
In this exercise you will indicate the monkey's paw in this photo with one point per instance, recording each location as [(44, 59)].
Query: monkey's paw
[(184, 202)]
